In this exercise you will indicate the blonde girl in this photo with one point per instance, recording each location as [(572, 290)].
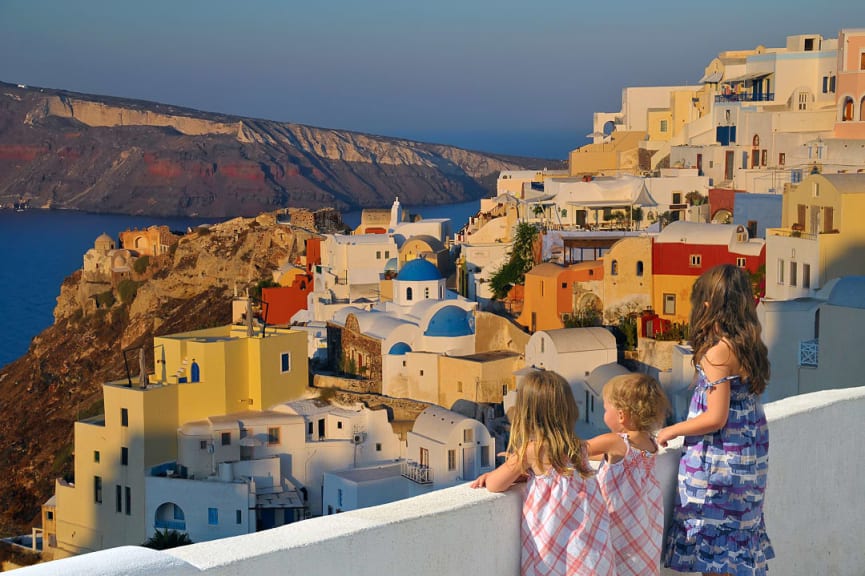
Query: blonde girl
[(717, 525), (634, 409), (565, 525)]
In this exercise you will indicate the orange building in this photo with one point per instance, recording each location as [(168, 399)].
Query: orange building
[(552, 293), (153, 241)]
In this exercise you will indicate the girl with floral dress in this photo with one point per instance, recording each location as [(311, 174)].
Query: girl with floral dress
[(634, 408), (717, 525), (565, 525)]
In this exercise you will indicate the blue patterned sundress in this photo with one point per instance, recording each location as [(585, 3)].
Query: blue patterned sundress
[(717, 522)]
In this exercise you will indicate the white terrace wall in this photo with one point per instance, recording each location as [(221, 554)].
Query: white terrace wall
[(813, 513)]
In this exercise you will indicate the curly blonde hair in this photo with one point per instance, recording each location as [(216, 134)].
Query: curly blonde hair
[(545, 414), (641, 397)]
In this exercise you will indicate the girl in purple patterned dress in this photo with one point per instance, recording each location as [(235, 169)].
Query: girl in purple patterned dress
[(717, 525)]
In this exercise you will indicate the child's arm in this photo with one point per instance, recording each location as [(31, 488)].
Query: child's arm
[(502, 477), (714, 418), (610, 443)]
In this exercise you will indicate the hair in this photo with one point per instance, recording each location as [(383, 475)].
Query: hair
[(546, 413), (641, 397), (722, 306)]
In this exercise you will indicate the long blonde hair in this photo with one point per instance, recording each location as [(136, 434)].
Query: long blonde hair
[(545, 414), (722, 306)]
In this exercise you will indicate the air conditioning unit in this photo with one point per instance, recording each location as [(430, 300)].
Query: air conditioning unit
[(358, 438)]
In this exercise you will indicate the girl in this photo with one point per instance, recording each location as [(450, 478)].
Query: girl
[(565, 526), (634, 407), (717, 526)]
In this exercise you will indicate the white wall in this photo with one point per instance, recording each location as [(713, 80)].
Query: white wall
[(812, 511)]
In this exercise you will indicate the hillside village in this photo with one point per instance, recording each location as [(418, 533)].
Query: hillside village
[(585, 271)]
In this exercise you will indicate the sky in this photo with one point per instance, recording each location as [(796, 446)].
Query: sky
[(502, 76)]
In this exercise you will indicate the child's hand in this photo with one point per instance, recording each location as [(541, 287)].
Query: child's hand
[(480, 481), (664, 436)]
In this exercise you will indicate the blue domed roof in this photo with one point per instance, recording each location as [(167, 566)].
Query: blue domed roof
[(418, 270), (450, 321), (399, 349)]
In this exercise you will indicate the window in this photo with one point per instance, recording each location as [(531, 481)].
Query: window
[(421, 372), (452, 459), (677, 197), (828, 220), (309, 428), (459, 386), (468, 435), (740, 262), (806, 276), (387, 253), (238, 515), (793, 273), (780, 271), (128, 494), (378, 446), (339, 424), (124, 456), (408, 293), (663, 125), (285, 362), (226, 438), (564, 285), (202, 444), (832, 84), (825, 84), (96, 456), (614, 268), (212, 516), (745, 160), (764, 154), (809, 44), (639, 267), (485, 457), (696, 260), (118, 498), (504, 389), (424, 457), (752, 229), (669, 304), (847, 110), (273, 436), (378, 254), (124, 417), (97, 489), (782, 158)]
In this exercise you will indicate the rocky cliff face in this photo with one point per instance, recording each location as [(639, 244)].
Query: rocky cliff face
[(72, 151), (60, 378)]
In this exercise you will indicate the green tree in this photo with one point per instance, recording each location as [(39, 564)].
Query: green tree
[(521, 260), (256, 290), (140, 264), (165, 539), (127, 289)]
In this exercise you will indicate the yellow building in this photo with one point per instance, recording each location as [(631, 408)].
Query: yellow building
[(482, 377), (628, 276), (821, 238), (197, 375), (618, 154)]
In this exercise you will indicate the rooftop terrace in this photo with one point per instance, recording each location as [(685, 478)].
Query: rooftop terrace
[(813, 515)]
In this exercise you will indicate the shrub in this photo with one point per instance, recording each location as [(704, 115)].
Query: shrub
[(140, 265), (165, 539), (127, 289), (105, 299)]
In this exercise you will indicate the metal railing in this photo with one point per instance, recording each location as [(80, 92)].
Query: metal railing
[(809, 351), (745, 97), (416, 472)]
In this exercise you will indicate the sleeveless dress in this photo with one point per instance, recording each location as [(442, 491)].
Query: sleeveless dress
[(565, 527), (717, 522), (633, 497)]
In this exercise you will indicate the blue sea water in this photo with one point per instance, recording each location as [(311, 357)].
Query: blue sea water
[(39, 249)]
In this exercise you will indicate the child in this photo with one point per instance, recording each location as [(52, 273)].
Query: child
[(565, 526), (717, 527), (634, 407)]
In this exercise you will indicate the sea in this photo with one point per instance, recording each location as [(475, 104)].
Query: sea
[(40, 248)]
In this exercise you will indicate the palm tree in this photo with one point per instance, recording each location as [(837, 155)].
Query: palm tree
[(167, 539)]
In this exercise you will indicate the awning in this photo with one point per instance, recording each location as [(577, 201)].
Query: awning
[(748, 76), (712, 78)]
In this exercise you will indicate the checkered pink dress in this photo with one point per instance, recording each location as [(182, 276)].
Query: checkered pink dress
[(565, 527), (633, 496)]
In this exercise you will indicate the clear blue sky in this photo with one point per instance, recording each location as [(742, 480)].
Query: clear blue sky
[(495, 75)]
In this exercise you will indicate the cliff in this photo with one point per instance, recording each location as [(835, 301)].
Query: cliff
[(60, 378), (73, 151)]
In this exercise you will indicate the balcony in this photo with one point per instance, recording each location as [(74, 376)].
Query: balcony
[(463, 531), (745, 97), (790, 233), (416, 472)]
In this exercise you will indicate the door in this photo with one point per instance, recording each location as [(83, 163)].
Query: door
[(699, 164), (728, 165), (469, 470)]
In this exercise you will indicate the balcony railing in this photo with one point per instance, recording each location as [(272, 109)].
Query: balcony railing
[(416, 472), (809, 352), (790, 233), (745, 97)]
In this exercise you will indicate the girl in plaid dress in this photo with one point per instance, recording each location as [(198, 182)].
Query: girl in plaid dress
[(565, 525), (717, 525), (634, 408)]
